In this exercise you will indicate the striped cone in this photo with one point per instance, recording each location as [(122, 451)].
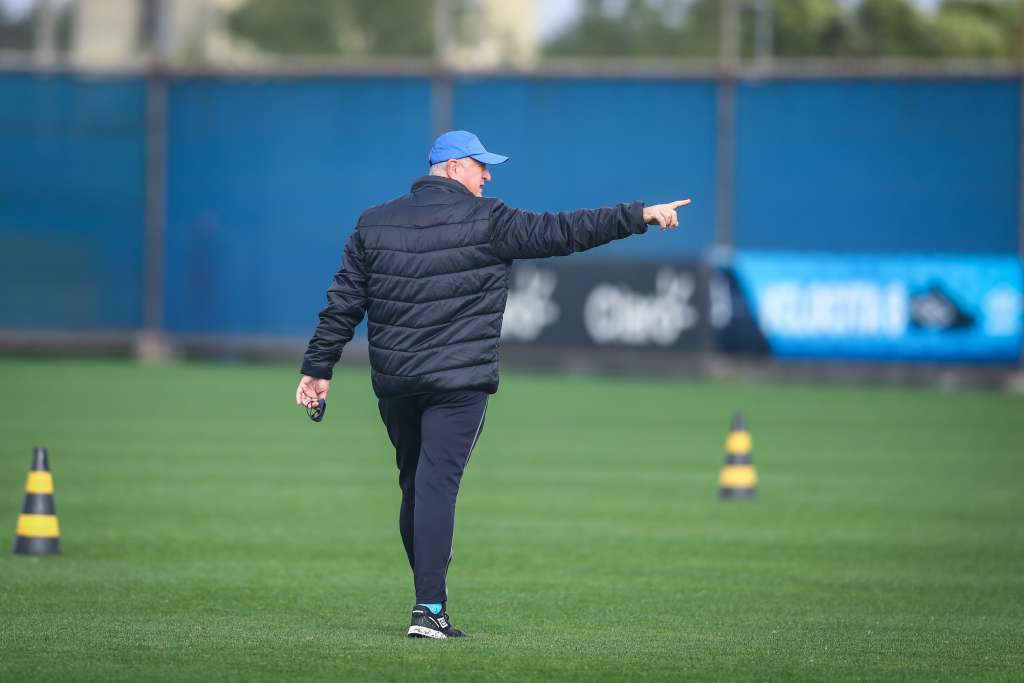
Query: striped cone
[(738, 479), (38, 533)]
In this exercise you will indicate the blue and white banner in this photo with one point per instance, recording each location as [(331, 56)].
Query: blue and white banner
[(885, 307)]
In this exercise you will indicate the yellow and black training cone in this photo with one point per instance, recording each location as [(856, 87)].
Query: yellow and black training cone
[(38, 533), (738, 479)]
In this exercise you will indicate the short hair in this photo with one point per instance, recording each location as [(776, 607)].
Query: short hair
[(439, 168)]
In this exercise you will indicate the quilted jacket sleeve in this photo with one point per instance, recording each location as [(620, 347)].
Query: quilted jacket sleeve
[(523, 234), (346, 305)]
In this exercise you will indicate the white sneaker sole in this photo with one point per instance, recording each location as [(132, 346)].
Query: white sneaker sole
[(424, 632)]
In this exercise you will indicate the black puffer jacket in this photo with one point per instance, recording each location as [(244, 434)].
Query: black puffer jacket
[(431, 270)]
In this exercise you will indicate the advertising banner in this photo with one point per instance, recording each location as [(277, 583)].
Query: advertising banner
[(617, 305), (884, 307)]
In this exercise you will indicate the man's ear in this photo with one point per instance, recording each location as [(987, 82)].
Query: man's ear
[(451, 166)]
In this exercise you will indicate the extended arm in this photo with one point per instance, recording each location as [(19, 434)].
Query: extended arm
[(346, 305), (524, 234)]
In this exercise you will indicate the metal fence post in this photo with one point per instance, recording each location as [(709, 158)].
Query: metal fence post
[(764, 34), (441, 81), (441, 103), (725, 123), (152, 344), (45, 39)]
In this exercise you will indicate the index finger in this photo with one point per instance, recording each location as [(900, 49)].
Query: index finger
[(677, 204)]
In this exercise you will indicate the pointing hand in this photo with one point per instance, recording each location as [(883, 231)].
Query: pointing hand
[(664, 215)]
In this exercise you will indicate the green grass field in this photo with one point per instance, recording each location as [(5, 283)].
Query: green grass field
[(211, 532)]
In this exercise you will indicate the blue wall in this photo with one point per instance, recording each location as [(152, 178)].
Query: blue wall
[(587, 143), (72, 202), (266, 177), (878, 165)]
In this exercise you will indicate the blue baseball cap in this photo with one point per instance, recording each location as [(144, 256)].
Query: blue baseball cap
[(456, 144)]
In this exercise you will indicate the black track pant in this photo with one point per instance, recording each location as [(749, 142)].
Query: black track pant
[(433, 435)]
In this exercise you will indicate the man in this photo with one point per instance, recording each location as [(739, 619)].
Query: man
[(431, 269)]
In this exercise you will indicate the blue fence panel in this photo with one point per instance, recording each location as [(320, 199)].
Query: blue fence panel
[(907, 165), (72, 202), (594, 142), (266, 179)]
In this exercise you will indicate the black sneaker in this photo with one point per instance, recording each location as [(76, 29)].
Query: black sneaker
[(426, 624)]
